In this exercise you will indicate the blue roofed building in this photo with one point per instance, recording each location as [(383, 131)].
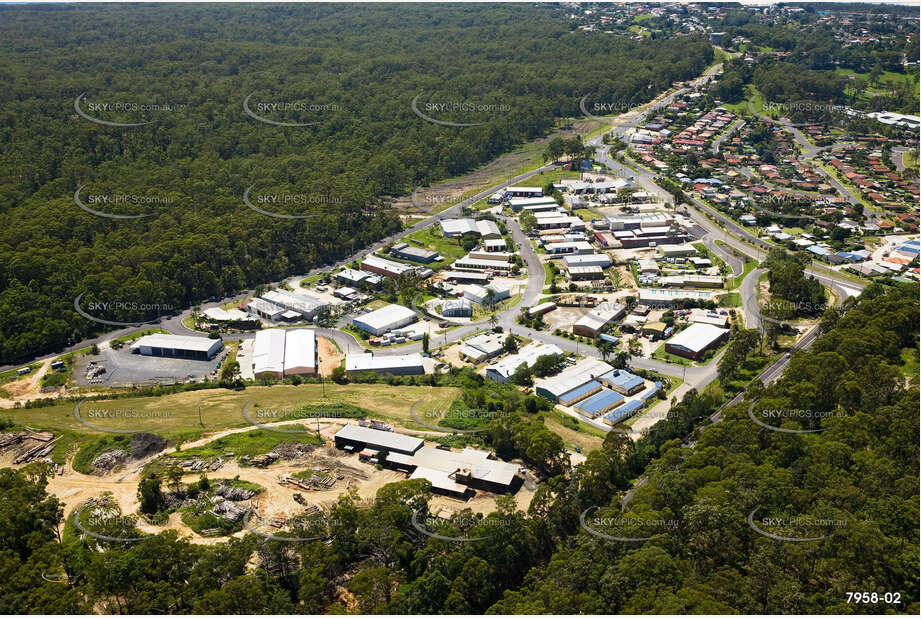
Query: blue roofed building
[(622, 381), (651, 392), (599, 403), (818, 250), (623, 412), (579, 393)]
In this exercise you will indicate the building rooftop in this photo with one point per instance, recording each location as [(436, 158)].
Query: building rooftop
[(600, 401), (178, 342), (369, 362), (697, 336), (384, 439)]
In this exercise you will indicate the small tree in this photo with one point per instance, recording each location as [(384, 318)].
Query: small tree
[(425, 342)]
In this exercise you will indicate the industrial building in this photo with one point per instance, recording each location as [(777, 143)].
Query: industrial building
[(355, 438), (505, 368), (461, 276), (585, 273), (622, 381), (383, 267), (452, 228), (221, 315), (270, 311), (482, 347), (453, 473), (394, 364), (623, 412), (599, 403), (459, 308), (580, 392), (594, 259), (405, 251), (572, 378), (482, 295), (282, 352), (178, 346), (300, 352), (511, 192), (307, 307), (485, 261), (665, 298), (385, 319), (673, 251), (697, 338), (591, 324), (533, 204)]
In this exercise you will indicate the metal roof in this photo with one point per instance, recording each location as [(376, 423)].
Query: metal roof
[(177, 342), (622, 412), (269, 351), (300, 348), (369, 362), (697, 336), (600, 401), (388, 440)]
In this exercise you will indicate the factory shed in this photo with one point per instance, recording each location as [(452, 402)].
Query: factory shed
[(599, 403)]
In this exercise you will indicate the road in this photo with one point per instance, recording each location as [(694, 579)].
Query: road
[(715, 147)]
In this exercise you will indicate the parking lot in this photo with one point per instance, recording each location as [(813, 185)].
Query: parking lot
[(124, 368)]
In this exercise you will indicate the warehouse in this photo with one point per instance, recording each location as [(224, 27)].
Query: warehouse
[(505, 369), (623, 412), (661, 298), (582, 372), (599, 403), (178, 346), (585, 273), (703, 281), (453, 228), (533, 204), (541, 309), (482, 347), (305, 306), (647, 267), (352, 277), (300, 352), (484, 261), (470, 467), (492, 293), (405, 251), (580, 392), (708, 317), (460, 276), (356, 438), (579, 247), (385, 319), (269, 353), (494, 245), (591, 324), (673, 251), (697, 338), (386, 268), (594, 259), (460, 308), (655, 330), (511, 192), (220, 315), (266, 310), (395, 364), (622, 381)]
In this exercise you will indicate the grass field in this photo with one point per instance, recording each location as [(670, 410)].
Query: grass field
[(432, 239), (661, 354), (574, 432), (176, 416)]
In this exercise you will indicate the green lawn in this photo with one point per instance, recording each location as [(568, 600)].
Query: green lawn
[(432, 239), (662, 355), (746, 268), (732, 299)]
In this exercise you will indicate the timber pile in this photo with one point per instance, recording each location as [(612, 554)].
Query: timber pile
[(234, 493), (35, 452), (277, 522)]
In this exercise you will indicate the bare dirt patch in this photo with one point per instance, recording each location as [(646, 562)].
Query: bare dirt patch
[(329, 355)]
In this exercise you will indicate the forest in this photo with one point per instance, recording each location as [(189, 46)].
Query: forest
[(179, 76), (843, 476)]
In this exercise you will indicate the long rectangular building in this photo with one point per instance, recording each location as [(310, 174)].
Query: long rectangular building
[(385, 319), (360, 438), (381, 266), (178, 346), (393, 364)]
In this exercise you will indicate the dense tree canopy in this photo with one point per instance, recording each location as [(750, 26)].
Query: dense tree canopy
[(353, 70)]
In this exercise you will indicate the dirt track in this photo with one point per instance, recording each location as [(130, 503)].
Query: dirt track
[(74, 488)]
